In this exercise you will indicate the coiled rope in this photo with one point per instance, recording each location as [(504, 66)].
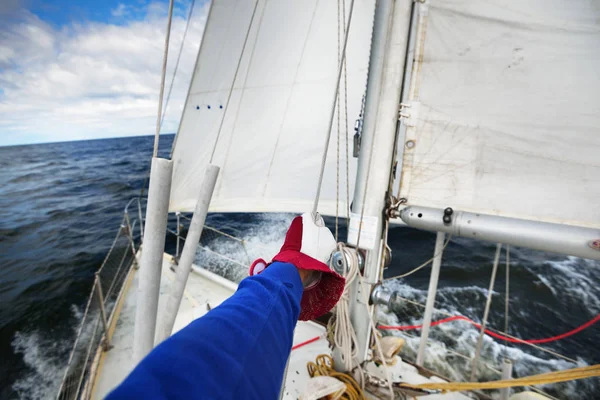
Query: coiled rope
[(324, 366), (344, 336), (340, 329)]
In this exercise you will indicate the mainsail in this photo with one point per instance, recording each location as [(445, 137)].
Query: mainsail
[(503, 116), (271, 141)]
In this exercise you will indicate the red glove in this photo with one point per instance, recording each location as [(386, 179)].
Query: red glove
[(308, 246)]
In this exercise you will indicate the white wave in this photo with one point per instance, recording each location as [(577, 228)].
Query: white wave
[(262, 239), (461, 338), (574, 278), (45, 358)]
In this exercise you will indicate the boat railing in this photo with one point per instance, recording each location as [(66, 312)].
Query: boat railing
[(95, 330), (217, 251)]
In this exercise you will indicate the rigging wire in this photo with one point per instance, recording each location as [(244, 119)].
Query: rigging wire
[(345, 131), (187, 25), (162, 79), (506, 299), (488, 304), (412, 271), (164, 111), (332, 112), (237, 70), (346, 125), (337, 164)]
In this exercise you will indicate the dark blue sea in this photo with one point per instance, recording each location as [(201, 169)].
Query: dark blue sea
[(61, 205)]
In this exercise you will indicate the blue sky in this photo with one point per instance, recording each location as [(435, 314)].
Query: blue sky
[(65, 12), (73, 70)]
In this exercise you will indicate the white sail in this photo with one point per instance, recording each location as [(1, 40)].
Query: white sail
[(505, 110), (271, 143)]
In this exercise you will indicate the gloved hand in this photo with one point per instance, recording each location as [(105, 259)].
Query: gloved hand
[(308, 246)]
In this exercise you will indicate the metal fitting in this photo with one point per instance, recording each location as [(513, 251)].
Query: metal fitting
[(382, 296), (337, 261)]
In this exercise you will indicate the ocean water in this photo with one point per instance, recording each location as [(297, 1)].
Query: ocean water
[(60, 207)]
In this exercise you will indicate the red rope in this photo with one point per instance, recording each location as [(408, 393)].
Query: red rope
[(309, 341), (495, 334)]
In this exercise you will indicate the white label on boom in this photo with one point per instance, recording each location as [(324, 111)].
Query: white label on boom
[(368, 231)]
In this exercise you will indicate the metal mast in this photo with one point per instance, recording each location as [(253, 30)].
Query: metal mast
[(384, 85)]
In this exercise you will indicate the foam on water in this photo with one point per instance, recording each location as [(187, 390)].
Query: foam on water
[(44, 356), (460, 337), (574, 278), (263, 239)]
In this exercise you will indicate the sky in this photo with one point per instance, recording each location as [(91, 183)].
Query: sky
[(89, 69)]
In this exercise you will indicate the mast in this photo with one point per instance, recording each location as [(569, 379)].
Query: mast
[(384, 85)]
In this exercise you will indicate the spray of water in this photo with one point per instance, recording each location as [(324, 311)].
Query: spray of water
[(461, 338)]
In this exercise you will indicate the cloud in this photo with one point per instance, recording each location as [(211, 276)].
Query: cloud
[(90, 79), (120, 11)]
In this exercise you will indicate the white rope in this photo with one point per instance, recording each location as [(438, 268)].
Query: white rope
[(344, 335), (332, 112), (162, 80)]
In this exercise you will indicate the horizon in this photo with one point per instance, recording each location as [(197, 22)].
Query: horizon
[(75, 72), (89, 140)]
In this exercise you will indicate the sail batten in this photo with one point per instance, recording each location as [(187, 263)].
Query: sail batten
[(270, 145), (504, 117)]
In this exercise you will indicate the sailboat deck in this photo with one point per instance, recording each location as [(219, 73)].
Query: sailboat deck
[(206, 290)]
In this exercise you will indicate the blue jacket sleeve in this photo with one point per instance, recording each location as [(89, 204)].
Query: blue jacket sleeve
[(236, 351)]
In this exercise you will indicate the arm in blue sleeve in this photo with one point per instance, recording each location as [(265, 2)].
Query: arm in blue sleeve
[(238, 350)]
